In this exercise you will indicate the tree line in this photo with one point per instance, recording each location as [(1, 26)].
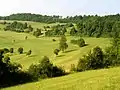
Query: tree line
[(18, 27), (55, 18), (21, 27), (32, 17), (91, 26), (96, 26)]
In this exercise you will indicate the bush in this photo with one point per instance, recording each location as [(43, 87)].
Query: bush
[(111, 57), (37, 33), (73, 31), (53, 40), (34, 71), (29, 52), (57, 71), (20, 50), (73, 68), (11, 50), (94, 60), (56, 51), (81, 42), (11, 73), (6, 50), (82, 64), (70, 25), (45, 69), (6, 59)]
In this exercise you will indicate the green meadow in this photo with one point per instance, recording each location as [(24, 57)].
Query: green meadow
[(104, 79), (44, 46)]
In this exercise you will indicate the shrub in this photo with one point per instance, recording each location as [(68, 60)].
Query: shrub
[(29, 52), (70, 25), (47, 26), (73, 31), (53, 40), (82, 64), (111, 57), (45, 69), (20, 50), (57, 71), (81, 42), (34, 71), (56, 51), (37, 33), (11, 50), (6, 59), (11, 73), (6, 50), (73, 68), (93, 60)]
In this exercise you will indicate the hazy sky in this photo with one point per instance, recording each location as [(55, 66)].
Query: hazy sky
[(60, 7)]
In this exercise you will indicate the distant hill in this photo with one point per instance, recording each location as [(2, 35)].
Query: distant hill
[(55, 18)]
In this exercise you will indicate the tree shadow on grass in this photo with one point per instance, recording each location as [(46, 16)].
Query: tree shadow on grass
[(86, 44), (70, 50), (32, 55), (60, 55)]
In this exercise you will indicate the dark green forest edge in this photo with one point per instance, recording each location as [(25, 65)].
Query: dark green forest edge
[(91, 26), (97, 26)]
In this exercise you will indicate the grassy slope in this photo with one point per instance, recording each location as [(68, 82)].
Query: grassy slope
[(95, 80), (33, 24), (104, 79), (45, 46)]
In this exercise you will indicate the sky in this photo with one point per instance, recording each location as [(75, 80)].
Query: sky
[(60, 7)]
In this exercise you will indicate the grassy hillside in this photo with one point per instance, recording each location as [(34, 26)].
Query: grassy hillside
[(33, 24), (45, 46), (104, 79)]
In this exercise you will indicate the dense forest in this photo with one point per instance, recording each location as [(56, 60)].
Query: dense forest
[(92, 26)]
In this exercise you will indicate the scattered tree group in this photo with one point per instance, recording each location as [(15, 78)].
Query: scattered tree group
[(45, 69), (11, 73), (57, 30)]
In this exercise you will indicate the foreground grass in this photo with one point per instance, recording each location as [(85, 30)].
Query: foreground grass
[(104, 79)]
